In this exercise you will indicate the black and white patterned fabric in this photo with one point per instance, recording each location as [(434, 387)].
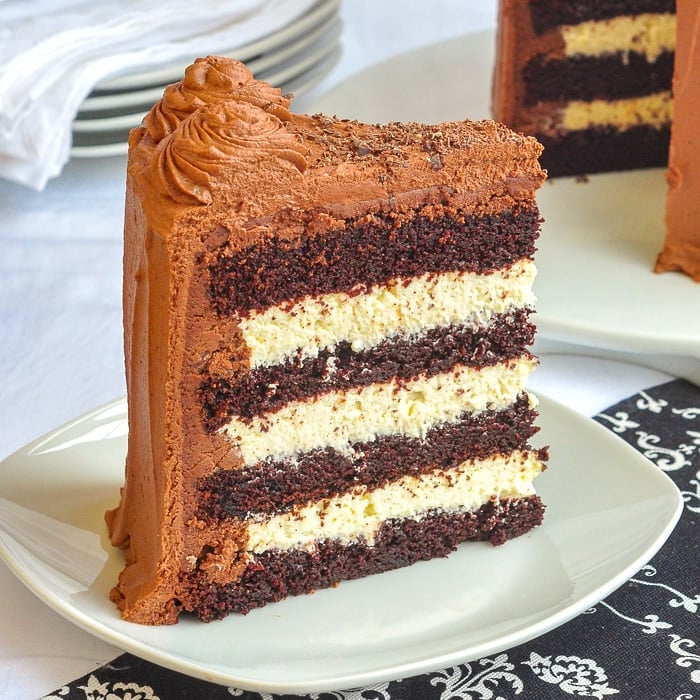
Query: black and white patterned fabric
[(640, 643)]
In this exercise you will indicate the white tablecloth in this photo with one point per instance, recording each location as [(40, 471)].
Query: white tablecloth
[(60, 314)]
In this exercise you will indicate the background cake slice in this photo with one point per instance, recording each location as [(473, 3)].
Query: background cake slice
[(327, 327), (590, 79)]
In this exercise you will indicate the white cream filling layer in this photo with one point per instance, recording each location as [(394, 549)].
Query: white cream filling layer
[(405, 306), (654, 110), (337, 419), (359, 515), (646, 34)]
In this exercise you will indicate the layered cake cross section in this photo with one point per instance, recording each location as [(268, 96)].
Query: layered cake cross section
[(327, 333), (591, 79)]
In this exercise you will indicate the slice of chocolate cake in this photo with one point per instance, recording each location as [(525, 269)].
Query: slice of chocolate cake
[(326, 337), (591, 79), (682, 243)]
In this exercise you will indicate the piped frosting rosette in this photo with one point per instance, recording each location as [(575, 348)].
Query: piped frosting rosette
[(210, 80), (230, 137)]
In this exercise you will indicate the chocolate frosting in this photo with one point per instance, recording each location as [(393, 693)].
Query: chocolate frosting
[(682, 244), (211, 79), (516, 45), (214, 137), (197, 134), (220, 163)]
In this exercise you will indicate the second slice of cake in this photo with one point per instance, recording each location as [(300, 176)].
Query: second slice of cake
[(591, 79), (327, 327)]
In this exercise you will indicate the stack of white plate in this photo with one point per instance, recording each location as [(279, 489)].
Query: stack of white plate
[(293, 58)]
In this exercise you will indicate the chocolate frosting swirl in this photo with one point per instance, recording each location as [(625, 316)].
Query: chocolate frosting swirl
[(229, 136), (206, 81)]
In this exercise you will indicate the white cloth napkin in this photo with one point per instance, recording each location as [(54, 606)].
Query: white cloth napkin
[(53, 52)]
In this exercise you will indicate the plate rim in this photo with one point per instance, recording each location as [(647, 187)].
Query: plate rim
[(264, 62), (305, 58), (330, 682), (173, 70), (298, 85)]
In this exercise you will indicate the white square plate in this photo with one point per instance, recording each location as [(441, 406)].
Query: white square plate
[(608, 511)]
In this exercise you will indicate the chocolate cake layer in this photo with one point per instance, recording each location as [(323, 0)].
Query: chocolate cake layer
[(276, 486), (368, 253), (547, 14), (361, 414), (605, 150), (267, 388), (276, 575), (607, 77), (253, 234)]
